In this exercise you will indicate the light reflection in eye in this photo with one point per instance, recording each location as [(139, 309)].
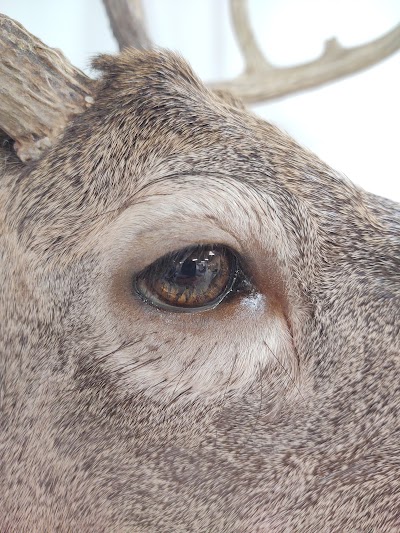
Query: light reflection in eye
[(194, 278)]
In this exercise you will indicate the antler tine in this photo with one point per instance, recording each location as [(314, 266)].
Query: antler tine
[(252, 55), (40, 90), (128, 23), (261, 81)]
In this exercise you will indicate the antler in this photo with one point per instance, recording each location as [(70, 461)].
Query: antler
[(262, 81), (40, 90), (127, 23)]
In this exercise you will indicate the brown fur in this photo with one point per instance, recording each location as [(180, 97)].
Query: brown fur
[(275, 412)]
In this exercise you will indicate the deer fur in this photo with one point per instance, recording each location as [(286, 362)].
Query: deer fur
[(277, 411)]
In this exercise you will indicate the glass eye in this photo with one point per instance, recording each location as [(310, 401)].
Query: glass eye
[(194, 278)]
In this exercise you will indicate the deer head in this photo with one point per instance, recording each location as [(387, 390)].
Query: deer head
[(199, 320)]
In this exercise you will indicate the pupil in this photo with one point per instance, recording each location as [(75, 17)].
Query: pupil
[(188, 268)]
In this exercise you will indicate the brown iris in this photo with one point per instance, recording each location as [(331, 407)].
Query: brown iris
[(197, 277)]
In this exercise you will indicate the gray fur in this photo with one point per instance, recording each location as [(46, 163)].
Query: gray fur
[(275, 412)]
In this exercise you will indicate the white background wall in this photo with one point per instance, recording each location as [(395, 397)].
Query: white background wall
[(352, 124)]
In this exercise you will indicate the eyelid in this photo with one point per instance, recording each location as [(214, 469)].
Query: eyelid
[(145, 232)]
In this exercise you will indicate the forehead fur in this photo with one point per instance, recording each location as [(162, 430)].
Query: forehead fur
[(153, 118), (155, 68), (149, 110), (156, 87)]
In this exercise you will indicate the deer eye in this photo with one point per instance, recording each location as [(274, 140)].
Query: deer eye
[(194, 278)]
